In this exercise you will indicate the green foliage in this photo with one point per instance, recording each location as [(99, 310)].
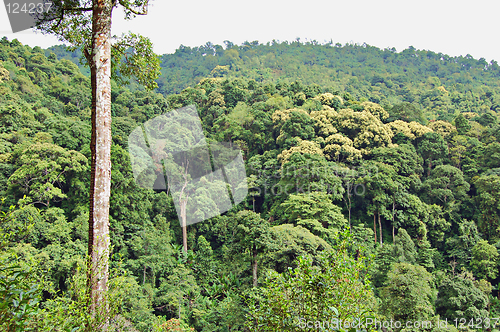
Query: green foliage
[(408, 293), (433, 149), (44, 169), (137, 60), (488, 198), (460, 246), (462, 125), (19, 298), (314, 211), (485, 260), (459, 297), (404, 247), (287, 242), (328, 146), (445, 186), (406, 112), (403, 250), (20, 288), (313, 291), (306, 173), (70, 312)]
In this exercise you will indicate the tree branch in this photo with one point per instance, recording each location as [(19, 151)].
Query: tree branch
[(144, 8)]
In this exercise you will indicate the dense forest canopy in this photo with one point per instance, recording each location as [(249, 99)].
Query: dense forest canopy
[(438, 84), (368, 170)]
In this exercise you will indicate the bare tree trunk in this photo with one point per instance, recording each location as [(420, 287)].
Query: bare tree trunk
[(183, 203), (99, 59), (349, 208), (380, 228), (348, 202), (254, 269), (393, 211), (184, 226), (374, 226)]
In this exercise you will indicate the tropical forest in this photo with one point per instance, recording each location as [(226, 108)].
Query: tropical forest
[(372, 192)]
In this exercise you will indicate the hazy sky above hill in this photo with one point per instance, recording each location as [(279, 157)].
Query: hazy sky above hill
[(451, 27)]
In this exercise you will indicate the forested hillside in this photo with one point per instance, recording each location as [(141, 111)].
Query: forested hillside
[(374, 191), (438, 84), (382, 76)]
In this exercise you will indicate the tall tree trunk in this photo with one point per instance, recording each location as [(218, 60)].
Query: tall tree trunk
[(393, 212), (99, 59), (254, 269), (183, 198), (374, 226), (183, 203), (184, 226), (380, 228), (349, 208)]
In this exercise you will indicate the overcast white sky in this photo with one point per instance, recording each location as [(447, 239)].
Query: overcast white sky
[(452, 27)]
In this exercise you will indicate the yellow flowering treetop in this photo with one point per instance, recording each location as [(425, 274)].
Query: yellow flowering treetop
[(303, 147), (375, 109), (442, 127), (323, 121), (411, 130)]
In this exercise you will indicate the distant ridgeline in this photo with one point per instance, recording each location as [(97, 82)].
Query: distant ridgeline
[(432, 81)]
